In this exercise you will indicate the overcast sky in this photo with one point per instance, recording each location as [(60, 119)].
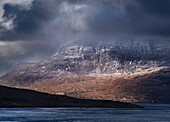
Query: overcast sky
[(31, 30)]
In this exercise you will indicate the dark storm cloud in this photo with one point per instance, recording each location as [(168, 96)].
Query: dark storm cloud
[(45, 25), (27, 22), (158, 7), (107, 17), (32, 23), (142, 18)]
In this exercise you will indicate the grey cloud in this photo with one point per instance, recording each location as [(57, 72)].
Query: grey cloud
[(107, 17), (27, 22)]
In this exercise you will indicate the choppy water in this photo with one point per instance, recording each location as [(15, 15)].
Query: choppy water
[(151, 113)]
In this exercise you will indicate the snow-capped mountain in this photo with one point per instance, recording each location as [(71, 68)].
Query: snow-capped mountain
[(90, 57)]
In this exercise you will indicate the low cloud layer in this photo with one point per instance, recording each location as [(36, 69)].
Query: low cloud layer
[(35, 29)]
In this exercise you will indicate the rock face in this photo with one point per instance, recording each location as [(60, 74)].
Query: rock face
[(82, 58), (93, 59), (107, 58)]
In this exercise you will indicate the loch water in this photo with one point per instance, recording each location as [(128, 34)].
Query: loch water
[(152, 112)]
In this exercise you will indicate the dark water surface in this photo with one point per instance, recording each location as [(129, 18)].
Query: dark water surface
[(151, 113)]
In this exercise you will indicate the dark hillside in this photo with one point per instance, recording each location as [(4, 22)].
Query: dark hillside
[(12, 97)]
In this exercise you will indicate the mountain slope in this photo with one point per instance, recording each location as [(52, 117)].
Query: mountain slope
[(149, 87)]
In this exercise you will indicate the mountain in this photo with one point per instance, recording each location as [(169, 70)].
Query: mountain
[(130, 71), (12, 97)]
